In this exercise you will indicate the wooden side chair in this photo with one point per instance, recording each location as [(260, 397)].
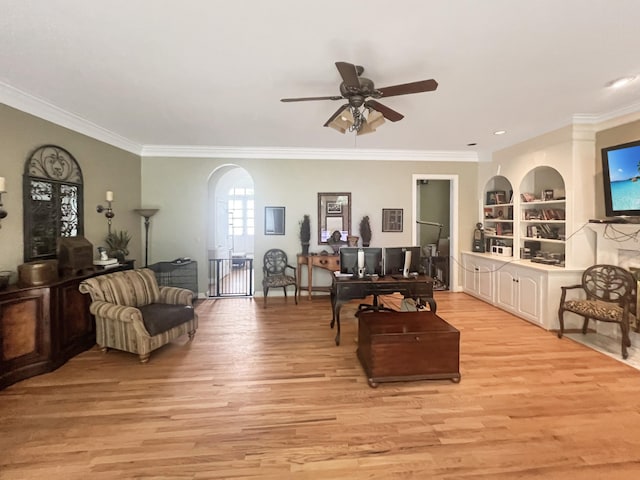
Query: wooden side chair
[(609, 294), (275, 267)]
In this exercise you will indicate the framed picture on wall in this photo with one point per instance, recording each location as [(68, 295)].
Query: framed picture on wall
[(392, 219), (274, 220)]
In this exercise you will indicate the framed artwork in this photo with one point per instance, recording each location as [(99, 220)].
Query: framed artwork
[(496, 197), (274, 220), (392, 219), (334, 214), (334, 208)]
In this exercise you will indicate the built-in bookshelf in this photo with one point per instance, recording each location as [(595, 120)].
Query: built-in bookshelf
[(529, 220)]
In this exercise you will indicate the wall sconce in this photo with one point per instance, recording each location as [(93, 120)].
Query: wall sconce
[(108, 211), (3, 212)]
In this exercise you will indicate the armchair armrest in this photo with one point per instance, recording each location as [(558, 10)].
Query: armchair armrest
[(175, 296), (565, 289), (111, 312), (292, 268)]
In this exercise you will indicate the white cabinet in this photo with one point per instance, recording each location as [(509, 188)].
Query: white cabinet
[(531, 291), (519, 290), (478, 277)]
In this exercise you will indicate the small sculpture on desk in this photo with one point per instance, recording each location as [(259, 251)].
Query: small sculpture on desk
[(103, 253), (335, 241)]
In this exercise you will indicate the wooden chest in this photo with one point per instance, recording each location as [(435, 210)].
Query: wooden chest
[(400, 346)]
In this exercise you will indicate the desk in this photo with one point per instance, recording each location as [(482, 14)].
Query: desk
[(345, 289), (326, 262)]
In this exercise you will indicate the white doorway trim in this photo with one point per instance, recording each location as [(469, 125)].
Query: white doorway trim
[(453, 220)]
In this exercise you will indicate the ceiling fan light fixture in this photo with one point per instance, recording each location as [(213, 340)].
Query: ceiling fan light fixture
[(365, 127), (375, 119), (342, 122)]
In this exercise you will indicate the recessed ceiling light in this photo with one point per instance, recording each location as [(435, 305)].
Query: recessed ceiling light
[(472, 144), (499, 132), (620, 82)]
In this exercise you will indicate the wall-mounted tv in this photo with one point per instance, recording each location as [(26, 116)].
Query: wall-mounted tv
[(621, 175)]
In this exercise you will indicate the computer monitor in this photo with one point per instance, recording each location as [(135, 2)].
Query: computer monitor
[(394, 260), (348, 259), (372, 260)]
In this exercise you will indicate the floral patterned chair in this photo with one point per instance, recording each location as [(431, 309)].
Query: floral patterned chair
[(608, 295), (274, 269), (134, 314)]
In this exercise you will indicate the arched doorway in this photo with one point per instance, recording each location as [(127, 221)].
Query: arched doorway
[(231, 232)]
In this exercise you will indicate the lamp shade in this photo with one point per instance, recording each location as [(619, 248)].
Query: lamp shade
[(146, 212), (375, 119), (342, 122)]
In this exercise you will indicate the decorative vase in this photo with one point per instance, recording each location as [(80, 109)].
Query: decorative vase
[(305, 249), (352, 240)]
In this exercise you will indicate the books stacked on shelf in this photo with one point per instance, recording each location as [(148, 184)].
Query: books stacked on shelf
[(543, 230), (489, 230), (108, 263), (544, 214), (527, 197)]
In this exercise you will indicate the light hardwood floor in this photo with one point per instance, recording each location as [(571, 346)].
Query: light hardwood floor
[(266, 394)]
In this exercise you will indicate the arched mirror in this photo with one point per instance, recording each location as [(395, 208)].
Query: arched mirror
[(53, 201)]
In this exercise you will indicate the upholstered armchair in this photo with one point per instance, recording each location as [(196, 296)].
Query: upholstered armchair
[(134, 314)]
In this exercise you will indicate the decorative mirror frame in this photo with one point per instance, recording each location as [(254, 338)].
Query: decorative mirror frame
[(334, 213), (53, 202), (274, 220)]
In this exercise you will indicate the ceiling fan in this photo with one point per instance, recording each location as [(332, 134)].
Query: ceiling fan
[(361, 95)]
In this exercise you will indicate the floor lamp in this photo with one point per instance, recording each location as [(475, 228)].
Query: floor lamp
[(147, 213)]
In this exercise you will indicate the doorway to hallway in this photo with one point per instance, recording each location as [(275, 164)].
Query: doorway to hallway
[(435, 219)]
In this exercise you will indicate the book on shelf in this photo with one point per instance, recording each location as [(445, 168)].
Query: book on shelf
[(527, 197)]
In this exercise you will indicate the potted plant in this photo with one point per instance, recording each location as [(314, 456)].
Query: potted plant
[(365, 231), (117, 243), (305, 234)]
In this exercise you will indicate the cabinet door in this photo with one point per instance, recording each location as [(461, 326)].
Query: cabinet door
[(506, 289), (529, 288), (484, 277), (25, 343), (478, 278), (73, 326), (470, 276)]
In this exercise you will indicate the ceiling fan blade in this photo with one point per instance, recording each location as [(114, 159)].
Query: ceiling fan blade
[(407, 88), (386, 112), (306, 99), (335, 115), (349, 74)]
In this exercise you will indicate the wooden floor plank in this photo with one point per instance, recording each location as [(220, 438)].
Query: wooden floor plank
[(266, 394)]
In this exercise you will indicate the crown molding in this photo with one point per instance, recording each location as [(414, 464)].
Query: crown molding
[(307, 153), (622, 115), (40, 108)]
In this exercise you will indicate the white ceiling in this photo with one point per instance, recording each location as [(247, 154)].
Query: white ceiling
[(209, 73)]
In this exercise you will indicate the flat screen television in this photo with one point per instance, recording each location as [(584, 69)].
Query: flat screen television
[(372, 260), (621, 176), (394, 260)]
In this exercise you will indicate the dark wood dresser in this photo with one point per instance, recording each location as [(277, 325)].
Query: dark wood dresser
[(42, 327)]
